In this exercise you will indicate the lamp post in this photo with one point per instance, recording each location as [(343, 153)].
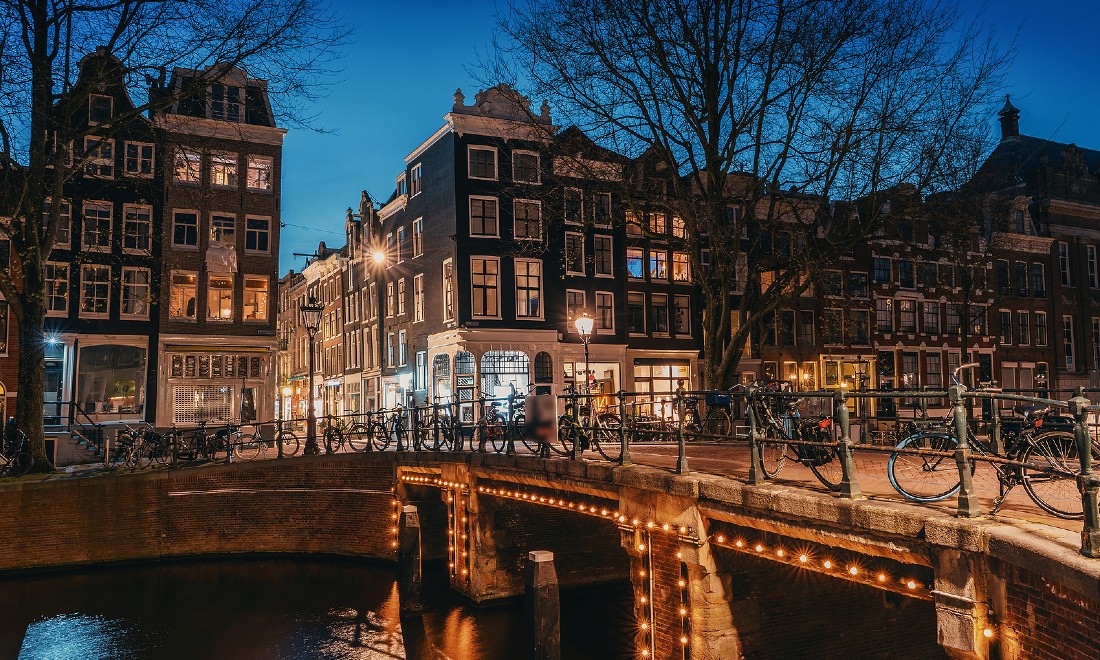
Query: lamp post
[(585, 324), (311, 318)]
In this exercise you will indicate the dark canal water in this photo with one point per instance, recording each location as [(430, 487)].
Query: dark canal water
[(275, 609)]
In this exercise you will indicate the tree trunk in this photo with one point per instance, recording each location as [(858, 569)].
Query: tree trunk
[(29, 405)]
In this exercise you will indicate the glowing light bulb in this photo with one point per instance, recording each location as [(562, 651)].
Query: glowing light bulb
[(740, 543), (911, 584), (779, 552), (641, 546), (645, 626), (803, 558), (988, 633), (853, 570), (683, 611), (683, 640), (881, 577), (682, 584), (759, 548), (827, 564), (721, 539)]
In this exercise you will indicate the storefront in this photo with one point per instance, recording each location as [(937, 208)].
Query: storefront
[(216, 384)]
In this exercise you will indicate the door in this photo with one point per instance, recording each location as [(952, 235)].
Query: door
[(52, 398)]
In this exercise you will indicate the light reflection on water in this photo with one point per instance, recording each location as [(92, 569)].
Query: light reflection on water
[(272, 609)]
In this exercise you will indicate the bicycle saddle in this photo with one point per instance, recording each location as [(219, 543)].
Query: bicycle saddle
[(1031, 412)]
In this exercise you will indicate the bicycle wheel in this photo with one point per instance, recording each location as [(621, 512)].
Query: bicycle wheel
[(773, 453), (379, 436), (1054, 488), (827, 468), (718, 423), (289, 441), (248, 447), (566, 428), (923, 478), (358, 437), (19, 464), (607, 441)]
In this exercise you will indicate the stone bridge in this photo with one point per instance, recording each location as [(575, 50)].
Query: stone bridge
[(718, 567)]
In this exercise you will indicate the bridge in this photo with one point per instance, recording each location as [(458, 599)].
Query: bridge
[(706, 552)]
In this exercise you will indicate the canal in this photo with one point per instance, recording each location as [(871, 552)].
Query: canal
[(279, 609)]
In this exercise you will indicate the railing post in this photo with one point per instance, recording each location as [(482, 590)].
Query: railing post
[(624, 444), (756, 459), (575, 427), (1087, 481), (399, 426), (849, 485), (968, 499), (996, 442), (510, 428), (681, 449)]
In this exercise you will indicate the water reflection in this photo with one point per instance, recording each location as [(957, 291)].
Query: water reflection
[(275, 609)]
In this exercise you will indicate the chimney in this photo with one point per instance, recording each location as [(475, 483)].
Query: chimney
[(1010, 120)]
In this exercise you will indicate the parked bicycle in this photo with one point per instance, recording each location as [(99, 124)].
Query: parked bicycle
[(15, 459), (1045, 461), (787, 435), (717, 422), (587, 430)]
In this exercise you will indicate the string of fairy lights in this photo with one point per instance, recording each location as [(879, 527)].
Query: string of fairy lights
[(887, 574)]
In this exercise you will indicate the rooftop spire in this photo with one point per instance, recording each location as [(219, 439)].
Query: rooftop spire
[(1010, 120)]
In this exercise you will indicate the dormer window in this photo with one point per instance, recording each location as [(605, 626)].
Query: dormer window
[(100, 108), (226, 102), (402, 185), (417, 175)]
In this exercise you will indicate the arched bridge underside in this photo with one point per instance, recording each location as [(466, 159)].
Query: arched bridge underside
[(687, 543)]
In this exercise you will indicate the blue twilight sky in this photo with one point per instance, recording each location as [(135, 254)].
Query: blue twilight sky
[(408, 58)]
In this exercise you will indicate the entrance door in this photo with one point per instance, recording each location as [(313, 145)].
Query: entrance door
[(52, 397)]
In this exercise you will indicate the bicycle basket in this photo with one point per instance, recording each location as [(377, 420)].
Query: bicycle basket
[(714, 399)]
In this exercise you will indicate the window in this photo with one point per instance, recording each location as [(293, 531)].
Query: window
[(219, 298), (371, 301), (929, 273), (527, 215), (1019, 275), (57, 289), (884, 314), (389, 349), (574, 253), (605, 311), (882, 270), (681, 316), (905, 274), (658, 223), (978, 320), (681, 269), (135, 293), (1095, 343), (100, 161), (907, 315), (401, 293), (400, 244), (633, 227), (483, 216), (188, 167), (62, 237), (95, 290), (258, 176), (832, 326), (1006, 326), (402, 347), (1023, 328), (1039, 280), (1040, 328), (185, 291), (421, 370), (1094, 276), (223, 170), (635, 263), (100, 108), (947, 276), (1063, 264), (136, 228), (485, 285), (223, 228), (185, 229), (1067, 340), (418, 297), (448, 291), (931, 318), (255, 298), (525, 167), (139, 159), (858, 285), (544, 368), (416, 176), (858, 327), (226, 102), (658, 312), (806, 327), (601, 208), (257, 234), (635, 313), (483, 163), (1000, 276), (528, 289), (97, 226), (933, 365), (602, 251), (954, 320), (574, 205), (678, 228), (418, 237), (658, 265), (576, 304)]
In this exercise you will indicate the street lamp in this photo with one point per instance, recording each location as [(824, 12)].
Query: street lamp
[(311, 319), (585, 324), (379, 257)]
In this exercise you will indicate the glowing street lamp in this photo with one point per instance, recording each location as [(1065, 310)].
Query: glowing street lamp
[(311, 318), (379, 257), (585, 325)]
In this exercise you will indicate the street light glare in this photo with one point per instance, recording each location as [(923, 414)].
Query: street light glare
[(584, 325), (379, 257)]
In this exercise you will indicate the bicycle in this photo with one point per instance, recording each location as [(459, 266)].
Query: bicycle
[(599, 431), (923, 468), (787, 436), (141, 447), (15, 460), (490, 427), (717, 421)]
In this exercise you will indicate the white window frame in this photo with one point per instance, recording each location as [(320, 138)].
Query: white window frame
[(672, 319), (198, 226), (515, 222), (84, 268), (640, 251), (607, 295), (65, 223), (447, 288), (470, 149), (470, 215), (219, 161), (400, 245), (1023, 330), (391, 299), (257, 232), (610, 209), (248, 180), (485, 258), (538, 166), (568, 257), (645, 314), (51, 282), (542, 301), (139, 159), (232, 303), (124, 286), (569, 316), (416, 177), (1042, 338), (171, 286), (687, 267), (611, 261), (402, 348), (1069, 345), (1094, 273), (402, 291), (187, 157), (215, 227), (564, 207), (418, 298), (110, 114), (1065, 270), (84, 226), (418, 237), (95, 164), (127, 209), (244, 297)]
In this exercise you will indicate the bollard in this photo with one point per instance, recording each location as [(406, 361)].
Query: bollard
[(410, 578), (849, 485), (681, 450), (1087, 481), (756, 457), (968, 499), (542, 608), (624, 445)]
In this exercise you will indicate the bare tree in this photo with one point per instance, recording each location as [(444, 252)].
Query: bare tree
[(751, 117), (291, 43)]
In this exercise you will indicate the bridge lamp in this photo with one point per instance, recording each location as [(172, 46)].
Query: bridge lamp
[(311, 312)]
